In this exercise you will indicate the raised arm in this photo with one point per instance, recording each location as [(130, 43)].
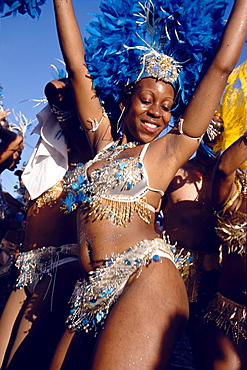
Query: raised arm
[(224, 185), (88, 106), (207, 96)]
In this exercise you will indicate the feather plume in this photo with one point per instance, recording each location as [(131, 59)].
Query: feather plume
[(22, 123), (186, 30), (12, 7)]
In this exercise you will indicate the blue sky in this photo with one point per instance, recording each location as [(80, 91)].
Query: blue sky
[(28, 47)]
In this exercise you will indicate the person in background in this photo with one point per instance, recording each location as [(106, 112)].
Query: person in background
[(226, 313), (11, 146), (188, 221), (119, 191), (11, 226), (34, 316)]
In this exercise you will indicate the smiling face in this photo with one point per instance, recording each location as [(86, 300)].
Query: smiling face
[(148, 111)]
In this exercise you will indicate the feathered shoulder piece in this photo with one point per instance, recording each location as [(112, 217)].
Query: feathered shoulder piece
[(171, 40), (31, 7)]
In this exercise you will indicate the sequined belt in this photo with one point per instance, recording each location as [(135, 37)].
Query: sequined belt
[(34, 264), (228, 315), (92, 299)]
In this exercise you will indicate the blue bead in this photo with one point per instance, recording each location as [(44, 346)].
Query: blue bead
[(119, 175), (156, 258), (129, 185), (122, 165), (81, 179), (99, 316), (127, 262), (139, 165), (75, 186)]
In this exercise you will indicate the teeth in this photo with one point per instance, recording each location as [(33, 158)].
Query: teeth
[(151, 125)]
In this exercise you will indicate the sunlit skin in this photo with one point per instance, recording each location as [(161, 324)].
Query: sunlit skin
[(148, 110)]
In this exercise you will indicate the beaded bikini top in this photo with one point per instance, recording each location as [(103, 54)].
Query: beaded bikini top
[(114, 191)]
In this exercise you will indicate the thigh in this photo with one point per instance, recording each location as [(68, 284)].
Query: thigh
[(43, 321), (10, 313), (145, 322), (222, 353), (74, 350)]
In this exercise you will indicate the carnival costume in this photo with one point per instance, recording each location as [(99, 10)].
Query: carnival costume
[(231, 228), (41, 177), (92, 299), (34, 264), (130, 41)]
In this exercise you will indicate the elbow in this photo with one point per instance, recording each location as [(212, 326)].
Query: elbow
[(224, 67)]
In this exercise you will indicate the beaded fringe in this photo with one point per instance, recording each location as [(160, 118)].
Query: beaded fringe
[(227, 315), (120, 213), (231, 228)]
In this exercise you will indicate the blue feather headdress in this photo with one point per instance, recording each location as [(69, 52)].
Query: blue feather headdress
[(171, 40), (31, 7)]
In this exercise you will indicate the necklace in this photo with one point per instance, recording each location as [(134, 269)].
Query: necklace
[(112, 150), (206, 169)]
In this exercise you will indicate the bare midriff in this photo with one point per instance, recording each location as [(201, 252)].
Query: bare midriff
[(101, 238)]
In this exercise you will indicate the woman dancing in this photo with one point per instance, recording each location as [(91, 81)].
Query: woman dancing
[(34, 315), (131, 284), (226, 313)]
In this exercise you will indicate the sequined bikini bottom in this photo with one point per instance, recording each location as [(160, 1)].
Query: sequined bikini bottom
[(228, 315), (34, 264), (92, 299)]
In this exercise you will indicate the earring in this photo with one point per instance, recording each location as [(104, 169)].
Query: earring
[(120, 121)]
